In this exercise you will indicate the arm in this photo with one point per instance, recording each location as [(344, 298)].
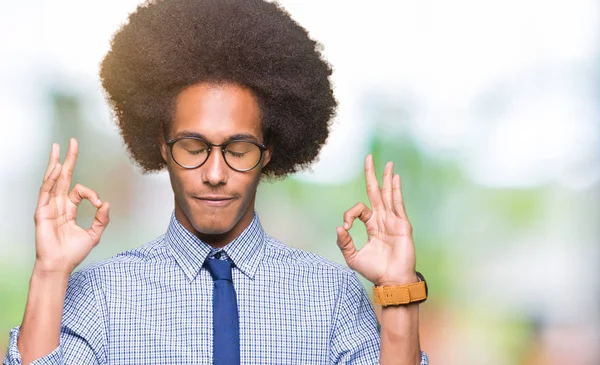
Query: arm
[(61, 245), (388, 258), (400, 334), (355, 338), (81, 336), (40, 330)]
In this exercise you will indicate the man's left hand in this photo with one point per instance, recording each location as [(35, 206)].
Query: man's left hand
[(388, 257)]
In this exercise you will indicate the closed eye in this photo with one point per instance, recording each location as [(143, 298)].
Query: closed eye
[(235, 154), (196, 152)]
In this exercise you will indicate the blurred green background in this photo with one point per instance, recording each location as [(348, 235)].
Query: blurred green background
[(490, 111)]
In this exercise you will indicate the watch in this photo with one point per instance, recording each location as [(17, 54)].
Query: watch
[(402, 294)]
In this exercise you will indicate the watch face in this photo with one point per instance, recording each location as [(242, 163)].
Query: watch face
[(422, 278)]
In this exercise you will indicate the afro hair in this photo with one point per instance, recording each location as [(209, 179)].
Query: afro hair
[(168, 45)]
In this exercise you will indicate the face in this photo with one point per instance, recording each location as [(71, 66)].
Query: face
[(213, 201)]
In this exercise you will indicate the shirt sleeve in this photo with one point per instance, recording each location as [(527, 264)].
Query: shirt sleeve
[(81, 334), (355, 337)]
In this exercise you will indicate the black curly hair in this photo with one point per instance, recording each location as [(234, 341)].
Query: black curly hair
[(168, 45)]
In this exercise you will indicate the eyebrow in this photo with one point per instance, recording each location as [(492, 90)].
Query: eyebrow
[(235, 137)]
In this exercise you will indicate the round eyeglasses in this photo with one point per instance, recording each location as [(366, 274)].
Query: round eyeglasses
[(193, 152)]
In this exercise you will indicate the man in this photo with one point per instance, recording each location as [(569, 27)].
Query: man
[(222, 93)]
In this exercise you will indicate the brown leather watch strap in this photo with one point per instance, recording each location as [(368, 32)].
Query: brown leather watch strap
[(400, 294)]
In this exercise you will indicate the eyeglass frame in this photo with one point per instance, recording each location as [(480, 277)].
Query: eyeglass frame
[(223, 148)]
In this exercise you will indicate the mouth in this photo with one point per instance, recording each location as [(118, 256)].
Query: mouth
[(215, 201)]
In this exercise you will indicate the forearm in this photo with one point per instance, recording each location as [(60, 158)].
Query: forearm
[(400, 335), (400, 330), (40, 330)]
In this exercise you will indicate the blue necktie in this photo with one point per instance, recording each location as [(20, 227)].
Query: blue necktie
[(226, 325)]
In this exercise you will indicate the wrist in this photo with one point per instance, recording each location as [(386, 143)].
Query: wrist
[(45, 273), (401, 290), (404, 279)]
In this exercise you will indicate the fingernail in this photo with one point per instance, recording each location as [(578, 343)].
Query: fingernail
[(99, 202), (346, 226)]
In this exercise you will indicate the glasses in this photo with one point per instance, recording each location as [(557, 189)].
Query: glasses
[(193, 152)]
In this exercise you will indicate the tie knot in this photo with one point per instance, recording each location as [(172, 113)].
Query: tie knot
[(219, 269)]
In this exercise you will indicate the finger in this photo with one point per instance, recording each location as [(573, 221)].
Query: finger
[(99, 224), (81, 192), (54, 159), (48, 185), (346, 245), (360, 211), (386, 191), (373, 190), (64, 180), (398, 205)]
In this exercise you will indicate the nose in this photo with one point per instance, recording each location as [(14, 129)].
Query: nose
[(215, 169)]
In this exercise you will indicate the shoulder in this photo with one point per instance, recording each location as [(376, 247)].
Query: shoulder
[(151, 253), (278, 254)]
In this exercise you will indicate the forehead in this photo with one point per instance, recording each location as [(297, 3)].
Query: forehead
[(216, 111)]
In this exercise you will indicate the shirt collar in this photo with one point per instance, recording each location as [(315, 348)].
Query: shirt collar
[(190, 252)]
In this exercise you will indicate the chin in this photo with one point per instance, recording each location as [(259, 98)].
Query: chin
[(212, 229), (212, 223)]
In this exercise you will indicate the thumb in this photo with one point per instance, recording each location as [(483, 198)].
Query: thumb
[(346, 245)]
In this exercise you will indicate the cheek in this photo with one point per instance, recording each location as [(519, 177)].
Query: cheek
[(243, 184), (252, 183), (177, 179)]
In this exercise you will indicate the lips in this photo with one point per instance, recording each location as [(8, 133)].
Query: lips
[(214, 200)]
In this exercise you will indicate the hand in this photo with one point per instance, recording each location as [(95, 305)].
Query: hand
[(388, 257), (60, 243)]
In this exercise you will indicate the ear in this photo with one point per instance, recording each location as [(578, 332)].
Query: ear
[(266, 157), (163, 148)]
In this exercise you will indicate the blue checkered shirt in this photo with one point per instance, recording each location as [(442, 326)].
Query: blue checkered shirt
[(153, 305)]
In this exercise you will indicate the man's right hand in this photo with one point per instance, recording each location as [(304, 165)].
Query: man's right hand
[(61, 244)]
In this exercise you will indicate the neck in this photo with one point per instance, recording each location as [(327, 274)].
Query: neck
[(216, 240)]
